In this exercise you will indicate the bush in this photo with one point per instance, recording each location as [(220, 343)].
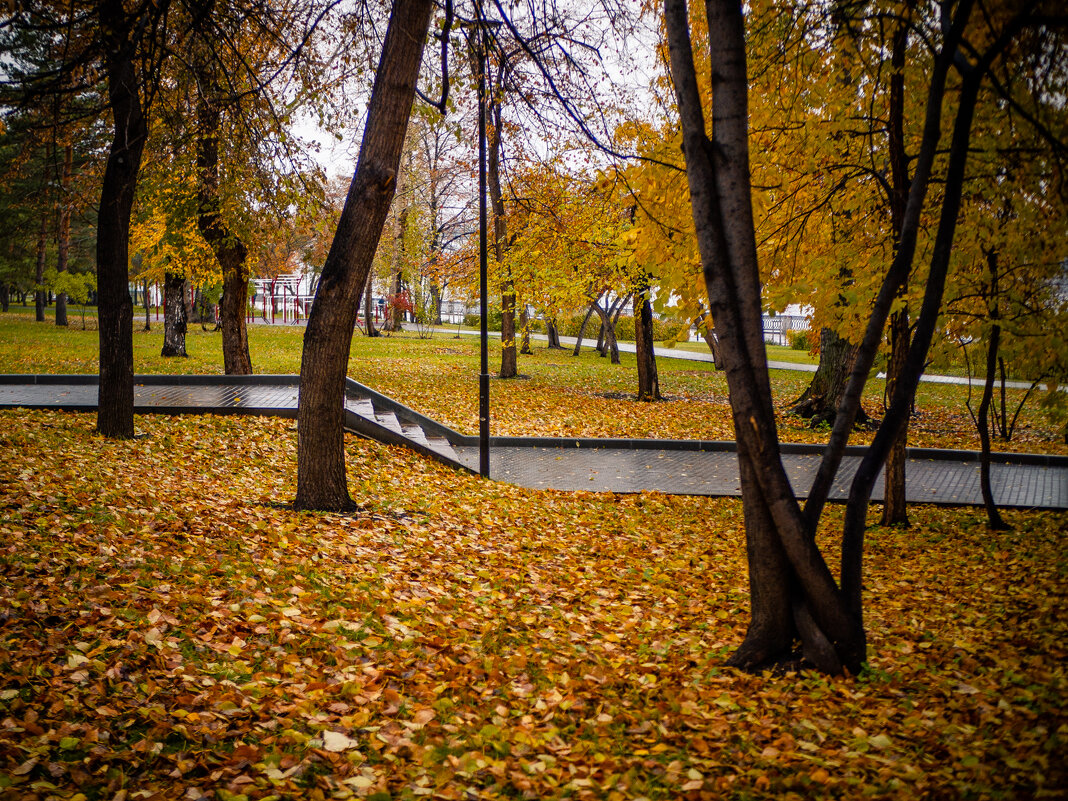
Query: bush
[(475, 320), (799, 340)]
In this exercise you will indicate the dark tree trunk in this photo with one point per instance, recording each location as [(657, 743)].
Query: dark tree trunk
[(228, 248), (552, 334), (607, 345), (5, 296), (115, 417), (994, 519), (393, 320), (148, 322), (582, 328), (819, 402), (435, 302), (648, 382), (321, 477), (368, 307), (174, 315), (895, 509), (39, 292), (509, 360), (63, 234), (798, 592)]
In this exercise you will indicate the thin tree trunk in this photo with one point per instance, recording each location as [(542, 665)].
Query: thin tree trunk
[(63, 234), (582, 328), (115, 417), (895, 509), (5, 296), (648, 382), (228, 248), (174, 315), (39, 292), (509, 361), (148, 322), (368, 307), (524, 326), (321, 476), (994, 519)]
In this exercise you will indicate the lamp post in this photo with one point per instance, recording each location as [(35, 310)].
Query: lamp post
[(483, 376)]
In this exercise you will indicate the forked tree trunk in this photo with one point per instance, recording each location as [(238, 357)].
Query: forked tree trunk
[(115, 409), (321, 475), (227, 247), (648, 381), (796, 593), (582, 328), (174, 315)]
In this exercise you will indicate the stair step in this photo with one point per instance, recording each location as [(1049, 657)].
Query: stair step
[(389, 420), (415, 433), (361, 406), (442, 446)]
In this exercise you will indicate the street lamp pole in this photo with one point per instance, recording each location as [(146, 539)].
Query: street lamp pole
[(483, 376)]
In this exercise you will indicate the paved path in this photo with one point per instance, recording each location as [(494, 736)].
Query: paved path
[(673, 467)]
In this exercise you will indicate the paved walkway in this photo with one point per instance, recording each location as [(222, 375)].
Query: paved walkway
[(673, 467)]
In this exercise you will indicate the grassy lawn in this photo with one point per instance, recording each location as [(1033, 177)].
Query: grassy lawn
[(170, 628), (561, 395)]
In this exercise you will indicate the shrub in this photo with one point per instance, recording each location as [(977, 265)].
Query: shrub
[(799, 340), (475, 320)]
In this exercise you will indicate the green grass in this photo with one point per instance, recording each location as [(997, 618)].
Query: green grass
[(560, 395)]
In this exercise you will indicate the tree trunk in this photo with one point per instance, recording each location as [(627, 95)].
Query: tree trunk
[(798, 592), (819, 402), (174, 315), (228, 248), (995, 522), (148, 322), (5, 296), (524, 325), (115, 418), (63, 234), (895, 510), (39, 292), (368, 310), (648, 382), (582, 328), (509, 362), (552, 334), (321, 477)]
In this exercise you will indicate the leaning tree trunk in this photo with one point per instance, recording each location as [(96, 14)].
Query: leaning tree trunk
[(115, 406), (39, 292), (582, 328), (648, 382), (228, 248), (63, 234), (174, 315), (321, 477)]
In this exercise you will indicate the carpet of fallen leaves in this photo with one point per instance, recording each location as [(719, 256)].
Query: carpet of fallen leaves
[(170, 628)]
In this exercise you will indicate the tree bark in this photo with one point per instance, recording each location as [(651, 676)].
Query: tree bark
[(148, 321), (524, 326), (63, 234), (115, 417), (509, 360), (582, 328), (321, 476), (895, 509), (230, 251), (552, 334), (368, 310), (995, 522), (819, 402), (648, 382), (174, 315), (798, 592), (39, 292)]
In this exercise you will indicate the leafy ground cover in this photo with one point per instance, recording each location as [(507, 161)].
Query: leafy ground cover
[(560, 395), (169, 628)]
